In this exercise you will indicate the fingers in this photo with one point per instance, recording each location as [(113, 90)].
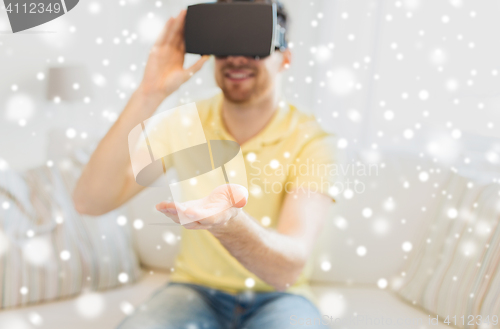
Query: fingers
[(235, 194), (166, 207), (177, 211), (215, 209), (199, 215), (193, 226), (172, 29), (162, 38), (240, 195), (169, 210), (203, 215), (177, 28), (193, 214), (196, 66)]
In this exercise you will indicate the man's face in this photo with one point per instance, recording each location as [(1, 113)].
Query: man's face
[(244, 80)]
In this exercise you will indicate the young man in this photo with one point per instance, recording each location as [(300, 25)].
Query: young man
[(244, 267)]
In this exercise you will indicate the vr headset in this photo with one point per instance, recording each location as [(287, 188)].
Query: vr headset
[(233, 29)]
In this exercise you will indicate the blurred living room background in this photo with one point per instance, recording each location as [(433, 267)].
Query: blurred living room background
[(412, 86)]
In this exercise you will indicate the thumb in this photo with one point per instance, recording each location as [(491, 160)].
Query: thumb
[(239, 194), (196, 66)]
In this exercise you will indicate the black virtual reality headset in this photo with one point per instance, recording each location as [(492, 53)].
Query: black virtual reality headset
[(239, 28)]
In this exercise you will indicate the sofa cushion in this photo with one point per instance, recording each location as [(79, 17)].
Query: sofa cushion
[(90, 310), (367, 308), (157, 242), (48, 250), (391, 205), (107, 309), (454, 271)]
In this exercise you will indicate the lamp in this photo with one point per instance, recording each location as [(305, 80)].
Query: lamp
[(68, 83)]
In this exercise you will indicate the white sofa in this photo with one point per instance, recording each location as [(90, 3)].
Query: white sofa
[(394, 209)]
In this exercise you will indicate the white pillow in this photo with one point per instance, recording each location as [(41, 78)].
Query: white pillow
[(392, 206), (157, 241), (454, 270), (48, 250)]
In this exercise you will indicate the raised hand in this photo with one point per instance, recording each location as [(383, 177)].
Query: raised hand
[(164, 71)]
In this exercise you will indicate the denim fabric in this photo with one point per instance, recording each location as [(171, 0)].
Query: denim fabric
[(190, 306)]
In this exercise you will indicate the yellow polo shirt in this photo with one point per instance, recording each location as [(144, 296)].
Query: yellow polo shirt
[(292, 151)]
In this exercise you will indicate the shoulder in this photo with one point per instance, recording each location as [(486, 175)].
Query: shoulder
[(308, 139), (307, 128)]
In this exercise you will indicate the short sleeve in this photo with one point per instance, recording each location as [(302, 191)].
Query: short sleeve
[(314, 168)]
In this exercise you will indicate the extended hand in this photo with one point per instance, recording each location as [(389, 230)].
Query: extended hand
[(211, 212)]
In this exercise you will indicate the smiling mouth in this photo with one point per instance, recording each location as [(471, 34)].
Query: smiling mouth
[(238, 76)]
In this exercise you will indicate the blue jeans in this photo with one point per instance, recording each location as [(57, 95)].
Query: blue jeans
[(190, 306)]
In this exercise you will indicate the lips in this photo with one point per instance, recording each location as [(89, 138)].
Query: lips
[(238, 75)]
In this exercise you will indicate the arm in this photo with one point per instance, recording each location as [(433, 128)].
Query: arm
[(107, 180), (277, 257)]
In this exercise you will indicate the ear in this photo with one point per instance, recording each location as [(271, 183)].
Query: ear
[(286, 59)]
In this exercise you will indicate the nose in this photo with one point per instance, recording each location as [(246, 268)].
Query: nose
[(238, 60)]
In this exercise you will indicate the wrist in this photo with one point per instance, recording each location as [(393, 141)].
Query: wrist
[(230, 226), (150, 96)]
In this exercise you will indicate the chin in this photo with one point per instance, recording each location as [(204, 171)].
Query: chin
[(237, 96)]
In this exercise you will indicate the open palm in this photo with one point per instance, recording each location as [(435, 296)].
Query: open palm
[(222, 204)]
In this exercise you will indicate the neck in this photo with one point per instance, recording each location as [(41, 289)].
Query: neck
[(244, 121)]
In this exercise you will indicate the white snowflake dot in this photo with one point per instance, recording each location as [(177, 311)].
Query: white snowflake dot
[(65, 255), (266, 221), (326, 266), (251, 157), (423, 176), (367, 212), (407, 246), (123, 277), (423, 95), (121, 220), (382, 283), (361, 251), (138, 224), (70, 133), (249, 283), (452, 213)]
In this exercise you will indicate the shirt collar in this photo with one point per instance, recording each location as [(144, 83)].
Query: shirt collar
[(280, 126)]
